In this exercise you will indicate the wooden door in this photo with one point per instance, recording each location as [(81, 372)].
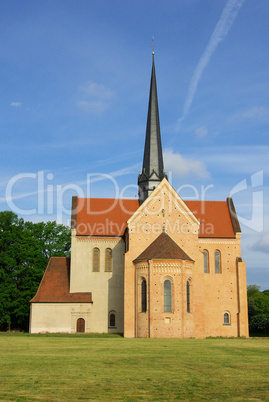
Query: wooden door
[(81, 325)]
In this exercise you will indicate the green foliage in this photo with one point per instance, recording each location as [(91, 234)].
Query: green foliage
[(258, 310), (25, 249)]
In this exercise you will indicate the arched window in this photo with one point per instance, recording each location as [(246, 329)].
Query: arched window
[(96, 260), (144, 296), (206, 264), (112, 319), (217, 262), (108, 263), (81, 325), (167, 296), (188, 291), (226, 318)]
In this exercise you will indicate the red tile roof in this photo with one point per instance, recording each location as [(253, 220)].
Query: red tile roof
[(54, 287), (214, 218), (103, 216), (108, 217), (163, 248)]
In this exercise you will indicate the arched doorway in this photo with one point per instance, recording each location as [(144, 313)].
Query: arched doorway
[(81, 325)]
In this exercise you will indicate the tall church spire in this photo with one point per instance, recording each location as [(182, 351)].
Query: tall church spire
[(152, 170)]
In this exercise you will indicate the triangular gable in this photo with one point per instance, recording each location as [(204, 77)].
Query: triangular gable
[(163, 248), (160, 191)]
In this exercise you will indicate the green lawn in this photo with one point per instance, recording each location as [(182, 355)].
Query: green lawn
[(81, 367)]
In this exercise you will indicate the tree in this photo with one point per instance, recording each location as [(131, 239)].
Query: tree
[(25, 249), (258, 310), (253, 290)]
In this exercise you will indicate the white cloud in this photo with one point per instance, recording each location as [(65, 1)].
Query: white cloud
[(97, 91), (256, 113), (183, 167), (262, 244), (96, 98), (201, 132), (16, 104), (246, 159), (95, 107), (222, 28)]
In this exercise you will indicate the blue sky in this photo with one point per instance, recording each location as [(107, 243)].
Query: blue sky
[(74, 92)]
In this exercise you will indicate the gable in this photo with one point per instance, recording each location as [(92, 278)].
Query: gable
[(164, 199), (109, 217), (163, 248)]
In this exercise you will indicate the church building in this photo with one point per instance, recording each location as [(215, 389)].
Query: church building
[(156, 266)]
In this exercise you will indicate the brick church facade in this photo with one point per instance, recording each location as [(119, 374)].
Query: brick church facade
[(153, 267)]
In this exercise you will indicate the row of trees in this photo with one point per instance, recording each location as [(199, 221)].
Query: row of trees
[(258, 310), (25, 249)]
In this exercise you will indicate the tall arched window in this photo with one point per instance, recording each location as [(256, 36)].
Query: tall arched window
[(226, 318), (112, 319), (217, 262), (144, 296), (96, 260), (188, 291), (167, 296), (108, 263), (206, 264)]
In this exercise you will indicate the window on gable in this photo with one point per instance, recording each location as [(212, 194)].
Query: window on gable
[(143, 296), (188, 297), (206, 262), (96, 260), (217, 262), (108, 262), (226, 318), (167, 296)]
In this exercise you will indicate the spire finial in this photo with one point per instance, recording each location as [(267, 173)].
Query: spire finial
[(153, 45)]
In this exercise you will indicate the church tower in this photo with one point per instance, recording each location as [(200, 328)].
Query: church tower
[(152, 169)]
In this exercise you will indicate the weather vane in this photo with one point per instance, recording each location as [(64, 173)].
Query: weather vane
[(153, 45)]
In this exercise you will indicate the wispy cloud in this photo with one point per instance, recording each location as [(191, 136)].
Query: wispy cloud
[(16, 104), (98, 91), (201, 132), (238, 159), (96, 98), (94, 107), (92, 178), (258, 113), (183, 167), (222, 28), (262, 244)]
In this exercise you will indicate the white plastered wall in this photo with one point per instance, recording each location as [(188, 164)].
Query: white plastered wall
[(59, 317), (106, 287)]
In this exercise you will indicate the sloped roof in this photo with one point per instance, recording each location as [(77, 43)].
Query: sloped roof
[(102, 216), (108, 217), (163, 248), (54, 287), (214, 218)]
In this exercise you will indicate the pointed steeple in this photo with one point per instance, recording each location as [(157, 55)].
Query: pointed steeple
[(152, 169)]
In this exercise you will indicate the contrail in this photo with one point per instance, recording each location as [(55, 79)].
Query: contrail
[(222, 28)]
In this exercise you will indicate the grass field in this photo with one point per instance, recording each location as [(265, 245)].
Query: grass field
[(81, 367)]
